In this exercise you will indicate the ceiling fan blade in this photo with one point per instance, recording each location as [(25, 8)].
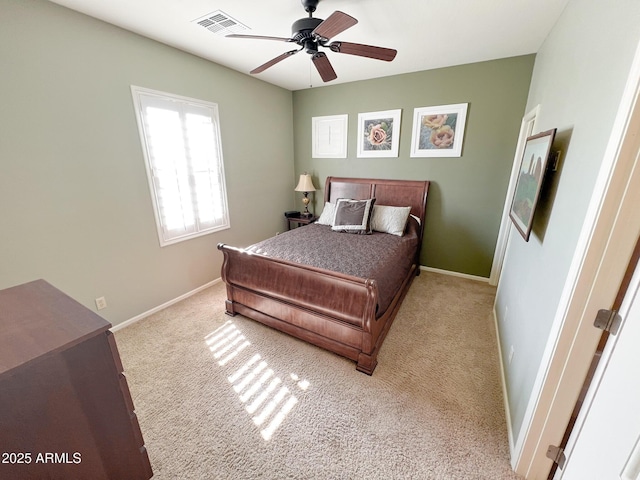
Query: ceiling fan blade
[(379, 53), (336, 23), (323, 65), (273, 61), (259, 37)]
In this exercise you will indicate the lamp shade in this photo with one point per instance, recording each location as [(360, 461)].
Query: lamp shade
[(305, 184)]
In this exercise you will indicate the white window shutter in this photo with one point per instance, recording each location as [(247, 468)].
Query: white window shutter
[(181, 141)]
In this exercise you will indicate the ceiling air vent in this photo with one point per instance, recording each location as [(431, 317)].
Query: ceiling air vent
[(220, 23)]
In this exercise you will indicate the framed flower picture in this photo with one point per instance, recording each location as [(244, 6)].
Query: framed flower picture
[(438, 131), (379, 133)]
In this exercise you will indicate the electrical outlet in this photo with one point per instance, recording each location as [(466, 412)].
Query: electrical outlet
[(511, 352), (101, 303), (506, 314)]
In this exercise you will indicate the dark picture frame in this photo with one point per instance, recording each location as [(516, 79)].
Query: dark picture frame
[(533, 166)]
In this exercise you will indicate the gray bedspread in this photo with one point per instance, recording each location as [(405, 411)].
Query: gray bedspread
[(380, 256)]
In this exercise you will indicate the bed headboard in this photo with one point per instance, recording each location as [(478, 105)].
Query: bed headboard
[(398, 193)]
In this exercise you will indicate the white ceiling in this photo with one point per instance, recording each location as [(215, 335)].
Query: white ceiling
[(428, 34)]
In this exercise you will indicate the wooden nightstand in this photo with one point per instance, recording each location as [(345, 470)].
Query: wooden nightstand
[(300, 220)]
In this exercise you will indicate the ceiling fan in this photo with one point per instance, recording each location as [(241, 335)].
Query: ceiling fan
[(311, 33)]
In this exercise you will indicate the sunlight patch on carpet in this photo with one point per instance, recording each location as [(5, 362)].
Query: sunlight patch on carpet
[(266, 398)]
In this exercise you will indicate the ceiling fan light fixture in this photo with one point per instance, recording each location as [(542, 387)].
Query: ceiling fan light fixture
[(310, 46)]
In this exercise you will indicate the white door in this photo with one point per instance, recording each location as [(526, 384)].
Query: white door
[(605, 444), (526, 129)]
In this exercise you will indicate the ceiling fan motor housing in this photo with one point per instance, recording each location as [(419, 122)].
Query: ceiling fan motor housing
[(302, 28), (301, 33)]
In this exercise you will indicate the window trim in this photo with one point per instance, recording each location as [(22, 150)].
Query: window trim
[(137, 93)]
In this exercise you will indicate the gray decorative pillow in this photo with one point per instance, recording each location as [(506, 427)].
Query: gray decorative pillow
[(353, 216), (328, 212), (389, 219)]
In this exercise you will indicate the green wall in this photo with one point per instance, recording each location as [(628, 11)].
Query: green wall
[(467, 194), (74, 199), (75, 207)]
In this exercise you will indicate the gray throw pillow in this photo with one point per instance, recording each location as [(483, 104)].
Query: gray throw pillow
[(353, 216)]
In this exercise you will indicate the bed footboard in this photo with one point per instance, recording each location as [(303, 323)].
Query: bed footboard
[(329, 309)]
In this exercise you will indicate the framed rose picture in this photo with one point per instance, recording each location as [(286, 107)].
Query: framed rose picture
[(438, 131), (379, 133), (532, 169)]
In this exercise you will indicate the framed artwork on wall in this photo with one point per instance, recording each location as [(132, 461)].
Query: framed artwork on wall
[(329, 136), (379, 133), (531, 174), (438, 131)]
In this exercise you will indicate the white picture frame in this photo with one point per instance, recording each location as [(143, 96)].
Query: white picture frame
[(438, 131), (379, 133), (329, 136)]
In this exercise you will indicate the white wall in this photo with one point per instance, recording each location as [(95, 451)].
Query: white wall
[(75, 207), (578, 79)]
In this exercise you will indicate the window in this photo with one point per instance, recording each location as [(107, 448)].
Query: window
[(181, 143)]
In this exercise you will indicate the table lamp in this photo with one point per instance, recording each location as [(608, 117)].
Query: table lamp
[(305, 185)]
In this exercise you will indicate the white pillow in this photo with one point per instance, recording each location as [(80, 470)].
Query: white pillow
[(328, 212), (389, 219)]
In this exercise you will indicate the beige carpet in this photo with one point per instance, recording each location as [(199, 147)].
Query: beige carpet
[(227, 398)]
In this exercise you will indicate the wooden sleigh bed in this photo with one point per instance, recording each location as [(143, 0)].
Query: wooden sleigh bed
[(331, 309)]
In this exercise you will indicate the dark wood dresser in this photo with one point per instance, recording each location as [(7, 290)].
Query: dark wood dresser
[(65, 407)]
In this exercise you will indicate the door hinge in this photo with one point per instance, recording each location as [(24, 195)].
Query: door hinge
[(557, 455), (608, 320)]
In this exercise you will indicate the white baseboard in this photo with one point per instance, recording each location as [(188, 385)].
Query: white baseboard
[(137, 318), (505, 394), (455, 274)]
